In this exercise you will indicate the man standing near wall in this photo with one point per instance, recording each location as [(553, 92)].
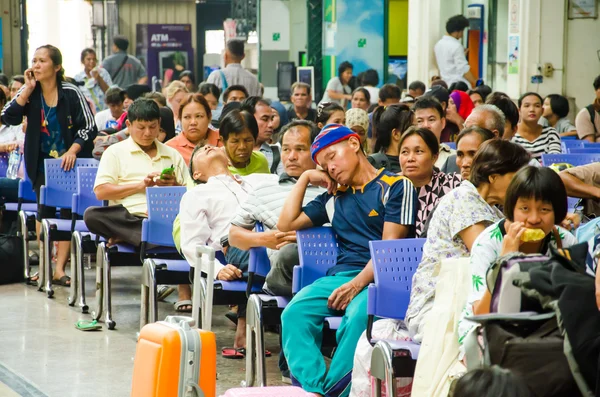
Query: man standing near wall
[(234, 73), (123, 68), (450, 53)]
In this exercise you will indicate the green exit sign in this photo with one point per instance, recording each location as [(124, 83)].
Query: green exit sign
[(362, 43), (276, 36)]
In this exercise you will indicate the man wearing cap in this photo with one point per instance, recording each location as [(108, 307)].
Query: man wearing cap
[(362, 204)]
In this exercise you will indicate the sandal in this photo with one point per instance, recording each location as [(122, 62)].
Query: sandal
[(88, 325), (164, 291), (238, 353), (65, 281), (179, 306)]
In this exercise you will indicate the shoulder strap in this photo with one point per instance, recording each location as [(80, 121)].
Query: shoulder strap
[(120, 67), (276, 159), (380, 159), (592, 112), (224, 83)]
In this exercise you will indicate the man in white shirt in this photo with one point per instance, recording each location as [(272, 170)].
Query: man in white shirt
[(107, 118), (234, 73), (450, 53), (205, 214)]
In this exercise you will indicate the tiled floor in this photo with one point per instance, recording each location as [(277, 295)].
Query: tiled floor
[(42, 353)]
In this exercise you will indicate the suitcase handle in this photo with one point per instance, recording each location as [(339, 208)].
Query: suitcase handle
[(183, 321)]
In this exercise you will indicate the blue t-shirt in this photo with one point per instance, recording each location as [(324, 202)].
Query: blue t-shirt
[(51, 138), (359, 215)]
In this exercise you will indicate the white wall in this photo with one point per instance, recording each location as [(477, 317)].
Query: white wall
[(298, 28), (582, 63), (62, 23), (274, 19)]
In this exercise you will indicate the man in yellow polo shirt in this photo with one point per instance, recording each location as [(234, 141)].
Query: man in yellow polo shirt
[(126, 169)]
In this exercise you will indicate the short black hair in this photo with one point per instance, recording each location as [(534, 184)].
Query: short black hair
[(85, 53), (429, 102), (457, 23), (426, 135), (597, 83), (417, 85), (249, 104), (167, 123), (209, 88), (386, 119), (236, 48), (114, 96), (484, 91), (539, 183), (559, 105), (187, 73), (492, 381), (121, 42), (458, 86), (143, 109), (312, 128), (439, 82), (506, 105), (325, 110), (3, 79), (236, 122), (497, 156), (530, 93), (135, 91), (364, 91), (232, 88), (370, 77), (483, 133), (389, 91), (344, 66), (18, 78)]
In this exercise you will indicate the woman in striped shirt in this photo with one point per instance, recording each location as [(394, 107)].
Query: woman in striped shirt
[(535, 138)]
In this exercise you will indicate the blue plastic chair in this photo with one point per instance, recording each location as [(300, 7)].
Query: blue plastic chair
[(573, 159), (82, 242), (317, 249), (585, 150), (157, 229), (394, 264), (263, 309), (3, 164), (451, 145), (569, 138), (570, 144), (58, 192)]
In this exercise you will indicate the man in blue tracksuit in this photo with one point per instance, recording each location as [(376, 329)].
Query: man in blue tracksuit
[(362, 204)]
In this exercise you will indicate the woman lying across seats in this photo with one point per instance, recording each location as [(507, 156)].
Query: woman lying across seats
[(459, 218), (536, 200)]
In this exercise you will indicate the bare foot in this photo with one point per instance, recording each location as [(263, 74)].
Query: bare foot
[(113, 241)]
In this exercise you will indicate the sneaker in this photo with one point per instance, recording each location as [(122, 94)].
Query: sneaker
[(285, 377)]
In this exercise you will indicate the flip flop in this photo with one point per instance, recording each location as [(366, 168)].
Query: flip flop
[(163, 292), (65, 281), (179, 306), (88, 325), (239, 353), (233, 353)]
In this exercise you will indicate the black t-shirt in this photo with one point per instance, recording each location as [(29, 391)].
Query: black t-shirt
[(312, 115)]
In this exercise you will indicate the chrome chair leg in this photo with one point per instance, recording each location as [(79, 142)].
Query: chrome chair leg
[(48, 258), (382, 368), (107, 294), (74, 273), (23, 233), (77, 242), (100, 259), (153, 298), (144, 296), (255, 347)]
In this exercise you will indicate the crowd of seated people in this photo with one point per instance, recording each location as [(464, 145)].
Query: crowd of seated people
[(367, 162)]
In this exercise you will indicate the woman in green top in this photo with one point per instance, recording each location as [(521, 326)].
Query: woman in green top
[(238, 131)]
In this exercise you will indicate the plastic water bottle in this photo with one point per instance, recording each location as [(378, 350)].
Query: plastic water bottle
[(14, 160)]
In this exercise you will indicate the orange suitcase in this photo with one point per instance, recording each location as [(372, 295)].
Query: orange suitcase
[(174, 360)]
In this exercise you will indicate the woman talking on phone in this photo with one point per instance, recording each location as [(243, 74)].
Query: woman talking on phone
[(60, 124)]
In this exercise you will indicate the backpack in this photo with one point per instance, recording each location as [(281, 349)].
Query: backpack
[(12, 266), (379, 160), (534, 345)]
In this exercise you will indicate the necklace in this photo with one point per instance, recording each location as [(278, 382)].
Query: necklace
[(45, 114)]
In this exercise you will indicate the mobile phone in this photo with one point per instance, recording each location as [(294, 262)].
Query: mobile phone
[(167, 171), (31, 75)]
